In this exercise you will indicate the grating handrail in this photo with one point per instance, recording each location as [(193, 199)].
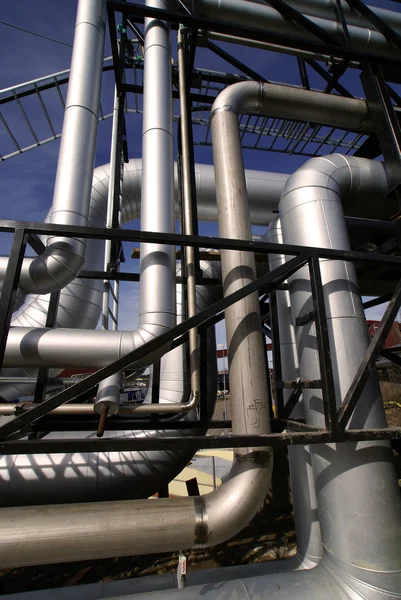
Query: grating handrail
[(257, 133)]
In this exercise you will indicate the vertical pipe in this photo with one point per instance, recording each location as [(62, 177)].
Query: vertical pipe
[(247, 368), (108, 396), (190, 259), (72, 189), (357, 493), (307, 525), (157, 267), (110, 209)]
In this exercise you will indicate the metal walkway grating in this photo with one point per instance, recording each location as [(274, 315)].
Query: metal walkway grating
[(31, 115)]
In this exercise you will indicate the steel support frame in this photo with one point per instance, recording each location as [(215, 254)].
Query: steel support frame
[(268, 283), (138, 12), (43, 374), (388, 131), (195, 22)]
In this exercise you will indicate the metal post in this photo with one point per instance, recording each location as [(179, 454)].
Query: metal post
[(214, 472), (323, 346), (42, 379), (10, 287)]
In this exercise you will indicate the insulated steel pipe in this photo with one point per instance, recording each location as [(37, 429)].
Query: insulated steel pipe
[(307, 526), (248, 97), (261, 16), (89, 477), (157, 292), (325, 9), (64, 257), (357, 492), (352, 561)]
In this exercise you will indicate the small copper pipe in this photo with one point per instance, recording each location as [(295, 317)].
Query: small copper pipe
[(102, 421)]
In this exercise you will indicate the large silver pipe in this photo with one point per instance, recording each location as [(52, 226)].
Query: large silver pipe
[(262, 16), (157, 267), (351, 561), (64, 257), (88, 477), (357, 492), (140, 528), (307, 526)]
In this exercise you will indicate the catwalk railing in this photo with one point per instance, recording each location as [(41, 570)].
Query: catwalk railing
[(37, 418)]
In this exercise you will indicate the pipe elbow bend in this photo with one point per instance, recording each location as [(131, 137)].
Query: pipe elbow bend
[(241, 97), (226, 511), (144, 334), (56, 268)]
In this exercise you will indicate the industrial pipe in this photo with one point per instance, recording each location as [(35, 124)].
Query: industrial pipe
[(357, 492), (307, 526), (63, 258), (187, 201), (86, 477), (262, 16)]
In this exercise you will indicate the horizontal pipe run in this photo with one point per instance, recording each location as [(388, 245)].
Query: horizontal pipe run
[(257, 33), (8, 408)]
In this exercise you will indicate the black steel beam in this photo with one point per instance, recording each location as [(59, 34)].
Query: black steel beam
[(277, 366), (336, 72), (381, 25), (131, 235), (377, 301), (89, 423), (323, 345), (331, 79), (156, 382), (137, 32), (395, 358), (291, 402), (10, 287), (370, 148), (235, 62), (269, 279), (118, 75), (375, 347), (42, 378), (138, 89), (194, 443), (381, 107), (138, 12), (294, 16), (338, 9), (303, 73), (36, 243)]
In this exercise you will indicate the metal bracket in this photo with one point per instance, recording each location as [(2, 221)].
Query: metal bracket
[(388, 129)]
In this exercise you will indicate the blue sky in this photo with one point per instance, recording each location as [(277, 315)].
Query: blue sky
[(27, 180)]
